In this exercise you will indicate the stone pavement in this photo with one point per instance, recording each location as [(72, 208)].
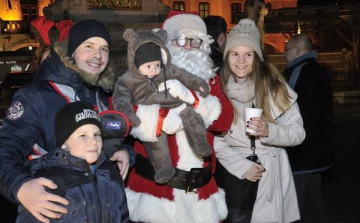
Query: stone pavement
[(341, 184)]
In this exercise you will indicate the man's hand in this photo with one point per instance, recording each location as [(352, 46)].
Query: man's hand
[(122, 160), (39, 202)]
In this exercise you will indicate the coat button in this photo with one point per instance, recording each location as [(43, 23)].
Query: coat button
[(231, 131)]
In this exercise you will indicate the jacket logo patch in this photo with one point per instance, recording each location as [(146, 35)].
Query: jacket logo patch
[(15, 111), (113, 125)]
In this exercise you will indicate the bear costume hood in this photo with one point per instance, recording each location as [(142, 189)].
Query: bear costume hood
[(139, 38)]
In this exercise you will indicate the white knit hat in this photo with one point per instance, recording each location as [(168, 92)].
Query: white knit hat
[(244, 34), (188, 24)]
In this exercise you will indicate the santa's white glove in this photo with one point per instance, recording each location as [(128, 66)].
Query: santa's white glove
[(178, 90), (172, 122)]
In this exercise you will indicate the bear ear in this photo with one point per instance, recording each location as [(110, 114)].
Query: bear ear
[(128, 34), (162, 34)]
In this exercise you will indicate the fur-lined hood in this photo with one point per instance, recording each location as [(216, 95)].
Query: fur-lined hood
[(106, 80), (139, 38)]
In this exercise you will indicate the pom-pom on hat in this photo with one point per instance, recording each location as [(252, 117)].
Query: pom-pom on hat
[(71, 117), (245, 33), (84, 30), (147, 52), (188, 24)]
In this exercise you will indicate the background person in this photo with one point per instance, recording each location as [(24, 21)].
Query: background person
[(76, 70), (250, 79), (217, 28), (313, 85)]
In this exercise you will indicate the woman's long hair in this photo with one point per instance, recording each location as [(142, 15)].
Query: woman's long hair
[(269, 83)]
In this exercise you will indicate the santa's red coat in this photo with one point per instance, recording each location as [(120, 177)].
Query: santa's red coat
[(150, 202)]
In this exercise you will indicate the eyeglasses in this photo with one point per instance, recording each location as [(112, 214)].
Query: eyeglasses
[(287, 49), (182, 41)]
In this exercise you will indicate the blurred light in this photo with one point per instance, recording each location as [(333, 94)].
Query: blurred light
[(30, 47)]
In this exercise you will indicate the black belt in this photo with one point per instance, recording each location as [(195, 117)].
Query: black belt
[(189, 181)]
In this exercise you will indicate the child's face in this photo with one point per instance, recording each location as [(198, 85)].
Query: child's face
[(85, 143), (150, 69)]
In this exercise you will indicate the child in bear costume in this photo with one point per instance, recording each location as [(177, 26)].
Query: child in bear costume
[(151, 79)]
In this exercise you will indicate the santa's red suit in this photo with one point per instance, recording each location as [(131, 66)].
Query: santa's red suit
[(150, 202)]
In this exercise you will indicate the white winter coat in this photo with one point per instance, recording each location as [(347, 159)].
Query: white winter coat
[(276, 199)]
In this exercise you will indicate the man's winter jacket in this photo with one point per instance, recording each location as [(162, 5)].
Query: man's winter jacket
[(314, 91), (30, 119)]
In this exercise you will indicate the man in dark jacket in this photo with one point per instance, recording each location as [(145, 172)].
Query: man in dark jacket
[(312, 83), (76, 70)]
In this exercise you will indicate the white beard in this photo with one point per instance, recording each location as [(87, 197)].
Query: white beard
[(196, 61)]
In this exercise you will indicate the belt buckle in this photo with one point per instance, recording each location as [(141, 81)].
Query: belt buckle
[(193, 191), (192, 179)]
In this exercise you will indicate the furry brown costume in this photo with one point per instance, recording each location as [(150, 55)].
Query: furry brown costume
[(133, 87)]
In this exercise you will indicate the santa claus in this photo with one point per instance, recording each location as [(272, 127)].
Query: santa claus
[(192, 195)]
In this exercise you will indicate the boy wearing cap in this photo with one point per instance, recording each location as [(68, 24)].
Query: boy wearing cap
[(154, 82), (75, 70), (78, 166)]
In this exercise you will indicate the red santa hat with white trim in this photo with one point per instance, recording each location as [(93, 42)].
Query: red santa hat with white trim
[(189, 24)]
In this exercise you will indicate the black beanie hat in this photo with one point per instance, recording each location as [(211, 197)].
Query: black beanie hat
[(84, 30), (147, 52), (71, 117)]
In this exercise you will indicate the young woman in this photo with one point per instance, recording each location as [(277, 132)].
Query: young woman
[(249, 81)]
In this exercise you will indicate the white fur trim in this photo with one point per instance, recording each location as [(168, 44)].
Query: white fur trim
[(189, 25), (187, 158), (186, 208), (148, 115), (209, 108)]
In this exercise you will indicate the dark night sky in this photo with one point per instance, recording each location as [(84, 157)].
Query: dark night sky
[(323, 2)]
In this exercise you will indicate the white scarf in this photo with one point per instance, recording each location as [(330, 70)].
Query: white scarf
[(241, 92)]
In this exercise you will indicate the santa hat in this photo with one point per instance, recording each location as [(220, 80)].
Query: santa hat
[(191, 25)]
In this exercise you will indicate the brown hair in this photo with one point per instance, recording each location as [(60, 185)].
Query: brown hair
[(38, 55)]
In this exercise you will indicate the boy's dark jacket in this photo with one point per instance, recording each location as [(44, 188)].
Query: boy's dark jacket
[(40, 102), (95, 197), (314, 89)]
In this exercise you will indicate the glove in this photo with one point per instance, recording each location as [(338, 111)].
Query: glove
[(133, 119), (178, 90), (172, 122)]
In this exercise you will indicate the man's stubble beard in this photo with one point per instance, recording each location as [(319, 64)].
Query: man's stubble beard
[(90, 78)]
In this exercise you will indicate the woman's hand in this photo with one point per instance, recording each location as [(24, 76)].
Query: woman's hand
[(260, 126), (254, 173), (40, 203)]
